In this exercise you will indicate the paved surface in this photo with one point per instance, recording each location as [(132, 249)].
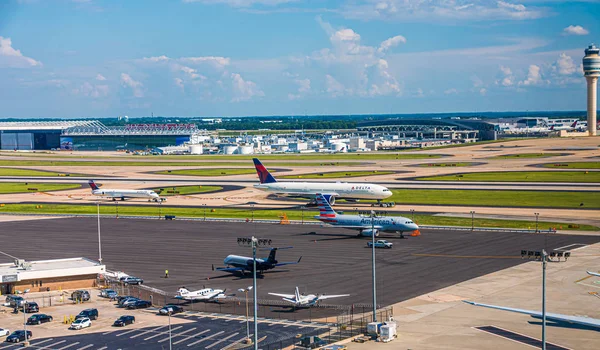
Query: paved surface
[(334, 261)]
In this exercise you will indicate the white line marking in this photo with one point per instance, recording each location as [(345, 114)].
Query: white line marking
[(162, 333), (103, 348), (222, 340), (191, 336), (9, 346), (210, 336), (235, 343), (51, 346), (42, 342), (68, 346), (127, 332), (86, 347), (148, 331), (178, 334), (570, 245)]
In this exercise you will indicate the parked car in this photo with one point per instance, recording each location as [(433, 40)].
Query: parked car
[(14, 300), (4, 332), (108, 293), (139, 304), (128, 301), (382, 243), (311, 342), (88, 313), (132, 280), (123, 297), (124, 320), (18, 336), (175, 309), (31, 307), (80, 295), (80, 323), (39, 319)]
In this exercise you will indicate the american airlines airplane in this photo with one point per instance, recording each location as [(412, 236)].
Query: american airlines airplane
[(122, 194), (330, 190), (237, 263), (363, 224), (301, 300)]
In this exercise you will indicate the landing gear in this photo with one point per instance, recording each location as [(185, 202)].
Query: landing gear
[(401, 234)]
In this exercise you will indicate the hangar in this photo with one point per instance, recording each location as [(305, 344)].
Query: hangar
[(468, 130)]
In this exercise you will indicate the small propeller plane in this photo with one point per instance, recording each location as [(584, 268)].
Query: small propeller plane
[(205, 294), (237, 263), (308, 300)]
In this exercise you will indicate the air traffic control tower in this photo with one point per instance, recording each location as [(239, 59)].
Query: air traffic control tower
[(591, 71)]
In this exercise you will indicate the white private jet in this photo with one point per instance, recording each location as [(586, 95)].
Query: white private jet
[(329, 190), (206, 294), (301, 300), (593, 273), (122, 194)]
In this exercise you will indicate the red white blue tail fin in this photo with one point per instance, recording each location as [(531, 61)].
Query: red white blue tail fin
[(325, 209), (264, 175), (93, 185)]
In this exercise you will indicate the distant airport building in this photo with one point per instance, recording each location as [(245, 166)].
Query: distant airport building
[(92, 135), (466, 130)]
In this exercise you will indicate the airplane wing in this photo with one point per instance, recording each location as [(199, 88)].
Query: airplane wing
[(580, 320), (229, 269), (322, 297), (367, 227), (288, 296), (593, 273), (289, 263)]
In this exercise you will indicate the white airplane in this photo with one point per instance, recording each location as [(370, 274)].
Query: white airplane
[(593, 273), (363, 224), (330, 190), (122, 194), (559, 126), (206, 294), (301, 300), (579, 320)]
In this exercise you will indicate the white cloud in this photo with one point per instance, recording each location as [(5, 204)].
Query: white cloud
[(136, 86), (89, 90), (162, 58), (391, 42), (244, 90), (508, 78), (179, 82), (333, 87), (242, 3), (303, 89), (13, 58), (214, 60), (482, 91), (534, 76), (565, 65), (452, 91), (100, 77), (575, 30)]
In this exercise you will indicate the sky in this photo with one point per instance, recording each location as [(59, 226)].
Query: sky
[(103, 58)]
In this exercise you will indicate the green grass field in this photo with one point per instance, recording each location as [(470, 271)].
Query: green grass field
[(10, 162), (498, 198), (521, 176), (30, 172), (457, 164), (574, 165), (110, 208), (210, 172), (20, 187), (527, 156), (185, 190), (336, 174)]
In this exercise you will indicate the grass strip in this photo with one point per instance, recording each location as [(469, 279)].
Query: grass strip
[(457, 164), (573, 165), (10, 162), (521, 176), (23, 187), (209, 172), (185, 190), (31, 172), (336, 174), (527, 155)]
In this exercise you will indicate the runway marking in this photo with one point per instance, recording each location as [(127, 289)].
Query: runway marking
[(178, 334), (469, 256), (9, 346), (519, 338), (222, 340), (53, 345), (206, 338), (103, 348), (42, 342), (583, 279), (191, 336), (570, 245), (130, 331), (68, 346), (146, 332), (162, 333), (86, 347)]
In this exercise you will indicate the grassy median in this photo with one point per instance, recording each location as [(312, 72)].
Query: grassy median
[(336, 174), (210, 172), (31, 172), (573, 165), (96, 163), (185, 190), (521, 176), (527, 156), (24, 187)]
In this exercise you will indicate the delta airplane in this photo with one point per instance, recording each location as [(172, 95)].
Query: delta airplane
[(363, 224), (301, 300), (206, 294), (330, 190), (122, 194), (237, 263), (556, 127)]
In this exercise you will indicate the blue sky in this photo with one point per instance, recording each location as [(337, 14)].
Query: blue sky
[(97, 58)]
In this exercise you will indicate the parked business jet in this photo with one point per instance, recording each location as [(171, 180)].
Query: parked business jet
[(301, 300), (206, 294), (396, 224), (593, 273), (237, 263), (122, 194), (330, 190)]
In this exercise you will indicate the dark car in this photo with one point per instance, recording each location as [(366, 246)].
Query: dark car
[(123, 297), (124, 320), (92, 314), (312, 342), (140, 304), (128, 301), (31, 307), (80, 295), (132, 280), (39, 319), (175, 309), (15, 300), (18, 336)]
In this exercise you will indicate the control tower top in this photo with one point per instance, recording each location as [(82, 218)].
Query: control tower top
[(591, 61)]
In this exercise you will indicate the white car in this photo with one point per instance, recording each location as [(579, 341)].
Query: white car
[(81, 323), (4, 332)]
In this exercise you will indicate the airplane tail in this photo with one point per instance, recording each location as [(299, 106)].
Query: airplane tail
[(574, 125), (297, 294), (325, 209), (183, 291), (93, 185), (264, 175)]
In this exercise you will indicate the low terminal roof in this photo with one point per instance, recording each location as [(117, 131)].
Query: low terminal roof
[(10, 272), (43, 125)]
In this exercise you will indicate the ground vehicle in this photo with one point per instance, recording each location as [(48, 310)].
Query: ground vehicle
[(14, 300), (88, 313), (124, 320), (132, 280), (120, 298), (108, 293), (311, 342), (139, 304), (4, 332), (175, 309), (382, 243), (39, 319), (81, 323), (128, 301), (31, 307), (80, 295), (18, 336)]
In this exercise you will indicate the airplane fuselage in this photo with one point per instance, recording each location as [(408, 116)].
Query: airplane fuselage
[(246, 262), (339, 190), (381, 224), (148, 194)]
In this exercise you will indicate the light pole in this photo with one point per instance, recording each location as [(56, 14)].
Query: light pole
[(302, 209), (159, 208), (537, 215), (26, 343), (412, 211), (245, 291), (117, 206), (252, 209), (472, 220), (204, 206), (373, 263), (99, 240), (169, 310)]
